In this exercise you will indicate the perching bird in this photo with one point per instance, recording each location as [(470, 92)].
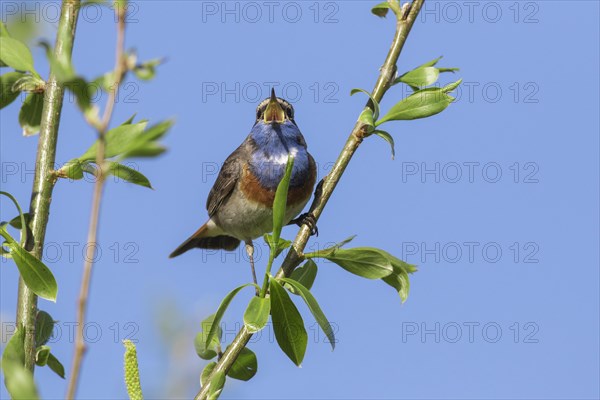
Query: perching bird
[(240, 204)]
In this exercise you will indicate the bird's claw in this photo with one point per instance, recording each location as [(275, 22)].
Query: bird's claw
[(309, 220)]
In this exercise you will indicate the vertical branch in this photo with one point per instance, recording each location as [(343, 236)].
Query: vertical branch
[(405, 17), (44, 179), (119, 73)]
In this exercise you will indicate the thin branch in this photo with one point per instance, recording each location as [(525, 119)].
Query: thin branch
[(119, 73), (405, 20), (43, 182)]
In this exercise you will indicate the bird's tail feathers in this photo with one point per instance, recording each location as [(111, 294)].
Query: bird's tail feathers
[(200, 240)]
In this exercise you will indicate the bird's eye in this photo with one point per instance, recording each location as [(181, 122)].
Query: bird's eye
[(289, 112), (258, 113)]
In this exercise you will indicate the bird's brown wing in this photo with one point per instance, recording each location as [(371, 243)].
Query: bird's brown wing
[(230, 173)]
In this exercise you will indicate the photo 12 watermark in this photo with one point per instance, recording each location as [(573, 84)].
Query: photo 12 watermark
[(327, 92), (93, 332), (40, 12), (470, 252), (254, 12), (24, 172), (516, 172), (75, 251), (470, 332), (490, 12)]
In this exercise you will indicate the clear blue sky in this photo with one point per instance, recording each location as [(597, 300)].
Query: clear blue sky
[(496, 199)]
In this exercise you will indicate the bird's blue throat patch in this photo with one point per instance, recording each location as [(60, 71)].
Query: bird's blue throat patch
[(273, 143)]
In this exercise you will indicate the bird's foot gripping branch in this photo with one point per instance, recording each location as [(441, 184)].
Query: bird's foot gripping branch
[(235, 360)]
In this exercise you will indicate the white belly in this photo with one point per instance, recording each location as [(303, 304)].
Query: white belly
[(246, 220)]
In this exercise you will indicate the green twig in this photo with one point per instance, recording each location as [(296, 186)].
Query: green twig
[(265, 285), (405, 21), (119, 72), (43, 183)]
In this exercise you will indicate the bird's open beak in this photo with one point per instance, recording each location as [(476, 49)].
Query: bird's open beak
[(274, 112)]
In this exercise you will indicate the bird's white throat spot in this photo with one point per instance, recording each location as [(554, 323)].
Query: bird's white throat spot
[(281, 159)]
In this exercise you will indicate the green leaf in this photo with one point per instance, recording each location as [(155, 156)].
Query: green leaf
[(56, 366), (30, 116), (398, 264), (128, 174), (23, 219), (421, 76), (129, 120), (44, 326), (280, 202), (448, 69), (7, 94), (431, 63), (145, 149), (287, 324), (14, 350), (19, 381), (451, 86), (144, 73), (42, 353), (82, 91), (16, 54), (344, 242), (214, 326), (16, 221), (305, 275), (60, 65), (118, 140), (216, 385), (424, 75), (208, 322), (131, 140), (282, 245), (147, 70), (132, 373), (362, 261), (421, 104), (257, 313), (330, 250), (105, 82), (34, 273), (206, 372), (29, 83), (388, 138), (22, 25), (158, 130), (89, 168), (73, 169), (381, 9), (375, 103), (210, 350), (245, 366), (3, 252), (399, 278), (366, 117), (3, 30), (314, 308), (204, 352)]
